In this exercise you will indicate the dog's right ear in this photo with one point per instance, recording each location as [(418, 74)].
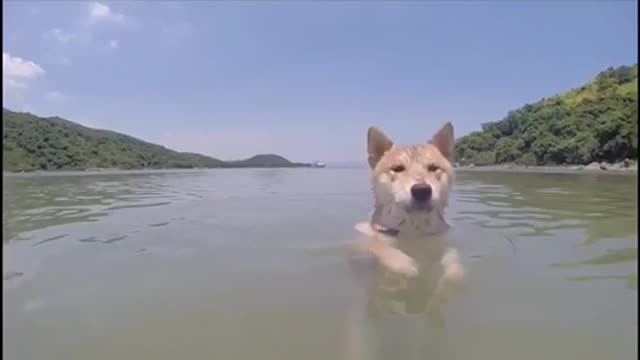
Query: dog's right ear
[(377, 144), (443, 140)]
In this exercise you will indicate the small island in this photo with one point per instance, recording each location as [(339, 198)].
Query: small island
[(32, 143)]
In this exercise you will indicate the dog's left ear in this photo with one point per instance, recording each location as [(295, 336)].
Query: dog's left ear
[(377, 144), (443, 140)]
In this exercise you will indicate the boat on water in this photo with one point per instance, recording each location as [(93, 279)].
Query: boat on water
[(318, 164)]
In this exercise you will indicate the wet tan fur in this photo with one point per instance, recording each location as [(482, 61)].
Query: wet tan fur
[(429, 163)]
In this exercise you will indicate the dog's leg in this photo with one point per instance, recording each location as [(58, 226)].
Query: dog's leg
[(451, 279), (388, 256), (356, 344), (392, 258)]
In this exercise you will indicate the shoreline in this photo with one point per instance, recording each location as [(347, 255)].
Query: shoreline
[(116, 171), (570, 169), (612, 169)]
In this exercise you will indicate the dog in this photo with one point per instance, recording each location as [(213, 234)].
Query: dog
[(411, 189)]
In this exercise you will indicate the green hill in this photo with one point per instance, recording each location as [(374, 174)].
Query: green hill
[(35, 143), (264, 160), (597, 122)]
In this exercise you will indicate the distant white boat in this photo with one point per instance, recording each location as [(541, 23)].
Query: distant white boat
[(318, 164)]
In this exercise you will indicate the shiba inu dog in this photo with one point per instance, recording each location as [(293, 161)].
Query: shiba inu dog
[(418, 267), (411, 188)]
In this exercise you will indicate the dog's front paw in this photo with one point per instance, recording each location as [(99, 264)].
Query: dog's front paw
[(399, 262), (454, 272), (454, 275)]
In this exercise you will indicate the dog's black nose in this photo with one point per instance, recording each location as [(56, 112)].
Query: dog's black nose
[(421, 192)]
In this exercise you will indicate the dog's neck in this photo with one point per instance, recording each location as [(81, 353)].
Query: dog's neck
[(402, 225)]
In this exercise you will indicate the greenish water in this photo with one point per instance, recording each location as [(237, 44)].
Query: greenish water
[(250, 264)]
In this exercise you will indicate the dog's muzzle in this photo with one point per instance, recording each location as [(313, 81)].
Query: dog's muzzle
[(421, 194)]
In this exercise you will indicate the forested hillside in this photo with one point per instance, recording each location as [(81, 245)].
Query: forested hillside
[(34, 143), (597, 122)]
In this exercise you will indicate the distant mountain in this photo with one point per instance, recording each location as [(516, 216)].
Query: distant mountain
[(264, 160), (597, 122), (35, 143)]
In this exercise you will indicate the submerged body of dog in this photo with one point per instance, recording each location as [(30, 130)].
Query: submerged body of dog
[(411, 187), (407, 234)]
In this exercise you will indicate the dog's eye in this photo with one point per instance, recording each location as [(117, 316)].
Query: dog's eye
[(432, 168), (398, 168)]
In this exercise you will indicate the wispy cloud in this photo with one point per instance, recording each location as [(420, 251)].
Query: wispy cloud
[(59, 35), (99, 12), (17, 72), (114, 44)]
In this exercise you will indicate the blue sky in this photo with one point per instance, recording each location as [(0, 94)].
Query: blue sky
[(302, 79)]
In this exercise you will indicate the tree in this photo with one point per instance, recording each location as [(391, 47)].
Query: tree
[(508, 149)]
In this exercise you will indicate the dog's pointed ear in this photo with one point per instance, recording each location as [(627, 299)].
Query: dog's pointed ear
[(443, 140), (377, 144)]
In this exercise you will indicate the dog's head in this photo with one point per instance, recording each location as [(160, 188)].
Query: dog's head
[(412, 179)]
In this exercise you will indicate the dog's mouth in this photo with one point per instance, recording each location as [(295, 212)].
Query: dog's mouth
[(419, 206)]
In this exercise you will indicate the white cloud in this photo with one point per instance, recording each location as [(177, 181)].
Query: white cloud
[(13, 66), (114, 44), (59, 35), (100, 12), (55, 96), (14, 83), (17, 71)]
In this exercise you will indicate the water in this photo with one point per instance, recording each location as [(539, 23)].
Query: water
[(250, 264)]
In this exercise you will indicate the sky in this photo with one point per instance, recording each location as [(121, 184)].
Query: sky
[(304, 80)]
